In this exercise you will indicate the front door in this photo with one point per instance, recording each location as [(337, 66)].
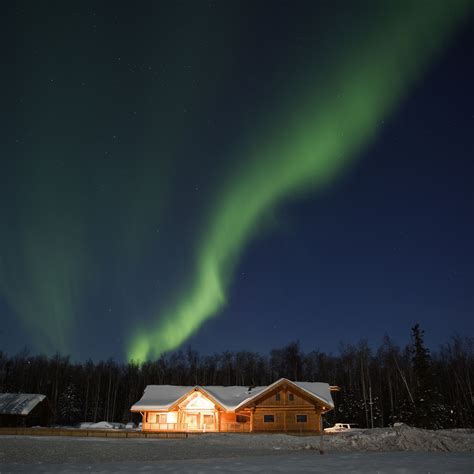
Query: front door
[(192, 420), (208, 422)]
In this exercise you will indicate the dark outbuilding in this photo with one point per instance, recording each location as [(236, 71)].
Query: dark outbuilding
[(24, 409)]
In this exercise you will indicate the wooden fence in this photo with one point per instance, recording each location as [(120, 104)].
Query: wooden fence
[(91, 433), (71, 432)]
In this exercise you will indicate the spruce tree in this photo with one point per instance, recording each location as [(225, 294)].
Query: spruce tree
[(429, 407), (69, 409)]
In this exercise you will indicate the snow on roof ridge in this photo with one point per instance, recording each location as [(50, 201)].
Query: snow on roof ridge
[(162, 397), (328, 401), (233, 395)]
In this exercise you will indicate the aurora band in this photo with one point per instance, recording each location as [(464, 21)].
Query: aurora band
[(311, 142)]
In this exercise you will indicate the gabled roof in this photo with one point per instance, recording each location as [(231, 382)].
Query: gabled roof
[(231, 397), (316, 390), (320, 390), (19, 403), (166, 397), (160, 397)]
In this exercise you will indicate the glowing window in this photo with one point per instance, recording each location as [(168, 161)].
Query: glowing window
[(161, 418), (198, 402), (208, 419)]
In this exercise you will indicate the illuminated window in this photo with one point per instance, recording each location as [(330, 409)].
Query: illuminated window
[(197, 402), (208, 419), (162, 418), (277, 397), (301, 418), (291, 397), (268, 418)]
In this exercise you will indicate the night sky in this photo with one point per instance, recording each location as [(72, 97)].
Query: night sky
[(235, 175)]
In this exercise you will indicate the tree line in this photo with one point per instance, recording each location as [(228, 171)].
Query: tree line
[(378, 387)]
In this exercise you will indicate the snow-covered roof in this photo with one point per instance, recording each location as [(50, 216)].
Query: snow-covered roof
[(19, 403), (232, 397), (318, 389), (163, 397), (160, 397)]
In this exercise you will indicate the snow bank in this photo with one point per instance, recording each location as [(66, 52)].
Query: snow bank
[(401, 438), (101, 425)]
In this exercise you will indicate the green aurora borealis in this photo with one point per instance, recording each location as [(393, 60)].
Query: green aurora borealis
[(308, 145), (150, 146)]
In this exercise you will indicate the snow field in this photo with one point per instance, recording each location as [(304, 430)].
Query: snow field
[(401, 449)]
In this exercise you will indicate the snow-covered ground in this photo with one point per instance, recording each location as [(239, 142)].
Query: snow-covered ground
[(400, 449), (396, 462)]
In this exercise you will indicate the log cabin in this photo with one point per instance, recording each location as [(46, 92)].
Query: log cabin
[(283, 406)]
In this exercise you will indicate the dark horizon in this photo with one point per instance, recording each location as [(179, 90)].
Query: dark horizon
[(372, 346), (407, 384)]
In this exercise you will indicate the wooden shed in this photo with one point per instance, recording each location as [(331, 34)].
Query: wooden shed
[(284, 406), (24, 409)]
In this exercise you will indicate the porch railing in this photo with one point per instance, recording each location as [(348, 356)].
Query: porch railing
[(202, 427), (235, 427)]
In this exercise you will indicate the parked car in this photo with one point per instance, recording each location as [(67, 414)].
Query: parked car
[(338, 427)]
